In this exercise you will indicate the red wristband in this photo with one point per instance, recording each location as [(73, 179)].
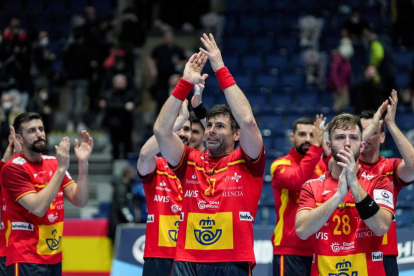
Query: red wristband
[(224, 78), (182, 89)]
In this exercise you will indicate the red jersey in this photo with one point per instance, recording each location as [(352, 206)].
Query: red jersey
[(345, 245), (219, 206), (388, 167), (3, 224), (164, 193), (289, 173), (32, 239)]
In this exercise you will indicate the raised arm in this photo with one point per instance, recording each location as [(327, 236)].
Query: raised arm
[(369, 131), (170, 144), (13, 147), (406, 168), (250, 137), (197, 103), (78, 193), (147, 160)]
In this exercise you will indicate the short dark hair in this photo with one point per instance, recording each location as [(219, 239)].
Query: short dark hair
[(223, 110), (302, 121), (369, 114), (194, 120), (344, 121), (23, 118)]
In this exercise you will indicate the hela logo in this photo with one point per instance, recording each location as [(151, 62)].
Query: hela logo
[(245, 216), (376, 256), (150, 218), (161, 198)]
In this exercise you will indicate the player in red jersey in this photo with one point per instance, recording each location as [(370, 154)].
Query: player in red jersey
[(222, 186), (12, 149), (34, 186), (164, 195), (291, 255), (399, 171), (347, 209)]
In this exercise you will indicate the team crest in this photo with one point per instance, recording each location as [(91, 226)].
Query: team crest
[(206, 235)]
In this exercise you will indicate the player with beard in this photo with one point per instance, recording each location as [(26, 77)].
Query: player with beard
[(222, 186), (34, 186), (346, 208), (399, 171), (292, 256)]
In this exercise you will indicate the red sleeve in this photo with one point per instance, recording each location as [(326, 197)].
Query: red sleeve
[(256, 166), (180, 169), (16, 181), (67, 180), (147, 179), (284, 175), (306, 198), (382, 193)]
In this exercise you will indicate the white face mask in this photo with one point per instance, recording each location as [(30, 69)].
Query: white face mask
[(44, 41), (7, 105), (44, 95)]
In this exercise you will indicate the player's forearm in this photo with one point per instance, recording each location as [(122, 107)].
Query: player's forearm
[(80, 195), (308, 223), (379, 223), (240, 106), (404, 146), (358, 193)]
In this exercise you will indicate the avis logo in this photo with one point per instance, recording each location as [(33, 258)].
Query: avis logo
[(343, 269), (206, 235), (173, 233), (53, 243)]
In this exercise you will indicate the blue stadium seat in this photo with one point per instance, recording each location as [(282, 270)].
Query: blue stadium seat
[(277, 61), (296, 61), (209, 99), (103, 7), (56, 7), (404, 217), (267, 142), (272, 23), (293, 80), (288, 42), (406, 196), (257, 101), (405, 121), (238, 42), (269, 162), (309, 101), (282, 144), (244, 82), (264, 43), (267, 193), (271, 121), (252, 62), (14, 7), (77, 6), (281, 101), (249, 24), (267, 81), (35, 6), (404, 60), (402, 80)]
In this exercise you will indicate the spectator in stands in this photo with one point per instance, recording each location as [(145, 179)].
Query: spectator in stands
[(8, 112), (310, 31), (355, 25), (399, 171), (42, 57), (403, 22), (119, 103), (122, 205), (78, 63), (164, 61), (340, 74), (292, 256), (381, 56), (44, 102), (367, 94)]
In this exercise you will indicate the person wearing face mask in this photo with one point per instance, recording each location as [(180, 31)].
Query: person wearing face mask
[(292, 256), (42, 56), (8, 112), (355, 25)]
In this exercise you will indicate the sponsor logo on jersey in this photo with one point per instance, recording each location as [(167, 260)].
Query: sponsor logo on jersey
[(175, 208), (364, 234), (22, 226), (233, 193), (193, 180), (202, 204), (320, 178), (53, 242), (162, 183), (236, 177), (344, 269), (207, 235), (191, 193), (19, 161), (346, 246), (173, 233), (245, 216), (53, 217), (325, 192), (376, 256), (161, 198), (163, 188), (150, 218), (384, 197), (367, 176), (48, 157), (1, 225)]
